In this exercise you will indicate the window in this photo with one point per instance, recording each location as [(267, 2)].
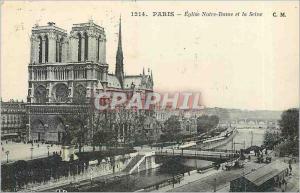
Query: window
[(56, 48), (98, 47), (40, 49), (61, 93), (46, 48), (79, 46), (79, 94), (40, 94), (60, 50), (86, 46)]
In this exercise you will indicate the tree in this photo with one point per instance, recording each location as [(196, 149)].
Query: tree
[(76, 130), (102, 126), (171, 129), (270, 139), (123, 122), (206, 123), (289, 123), (102, 137)]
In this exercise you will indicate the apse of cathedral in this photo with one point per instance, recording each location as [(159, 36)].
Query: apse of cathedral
[(67, 70)]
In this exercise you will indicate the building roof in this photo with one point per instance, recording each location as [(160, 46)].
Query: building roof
[(99, 85), (113, 81), (140, 81), (136, 80), (263, 174)]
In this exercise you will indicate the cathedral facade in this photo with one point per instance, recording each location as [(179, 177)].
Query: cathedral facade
[(66, 71)]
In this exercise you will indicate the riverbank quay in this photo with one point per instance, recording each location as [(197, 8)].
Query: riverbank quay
[(219, 181), (80, 182), (33, 175), (186, 179), (215, 181)]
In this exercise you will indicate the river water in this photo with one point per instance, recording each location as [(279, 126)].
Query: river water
[(134, 182), (146, 178), (244, 137)]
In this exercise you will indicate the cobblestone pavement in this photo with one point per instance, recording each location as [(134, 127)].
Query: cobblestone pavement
[(21, 151)]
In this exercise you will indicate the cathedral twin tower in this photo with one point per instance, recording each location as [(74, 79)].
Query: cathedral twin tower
[(50, 44), (69, 68), (67, 71)]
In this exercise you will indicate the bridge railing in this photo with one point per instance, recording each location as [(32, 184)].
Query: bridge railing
[(198, 154), (215, 150)]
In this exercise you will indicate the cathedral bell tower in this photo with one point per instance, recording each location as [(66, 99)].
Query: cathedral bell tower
[(119, 71), (48, 44)]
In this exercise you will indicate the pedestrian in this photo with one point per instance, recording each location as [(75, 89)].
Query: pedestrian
[(284, 183), (290, 167), (279, 183)]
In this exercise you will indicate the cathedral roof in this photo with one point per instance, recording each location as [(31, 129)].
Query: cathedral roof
[(140, 81), (113, 81), (99, 85), (136, 80)]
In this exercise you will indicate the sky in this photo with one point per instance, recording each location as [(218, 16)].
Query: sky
[(234, 62)]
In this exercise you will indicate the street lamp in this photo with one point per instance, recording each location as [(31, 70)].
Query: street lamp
[(82, 139), (215, 184), (48, 149), (27, 132), (31, 149), (7, 152)]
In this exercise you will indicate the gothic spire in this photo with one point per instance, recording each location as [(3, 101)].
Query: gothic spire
[(119, 71), (120, 51)]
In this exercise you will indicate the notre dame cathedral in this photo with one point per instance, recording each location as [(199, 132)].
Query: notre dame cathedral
[(66, 70)]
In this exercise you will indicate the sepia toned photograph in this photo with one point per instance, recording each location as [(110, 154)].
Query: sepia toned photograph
[(149, 96)]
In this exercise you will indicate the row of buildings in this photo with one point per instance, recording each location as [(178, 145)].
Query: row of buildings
[(251, 124), (65, 72), (15, 123), (13, 119)]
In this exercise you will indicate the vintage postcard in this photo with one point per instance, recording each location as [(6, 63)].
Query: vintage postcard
[(149, 96)]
